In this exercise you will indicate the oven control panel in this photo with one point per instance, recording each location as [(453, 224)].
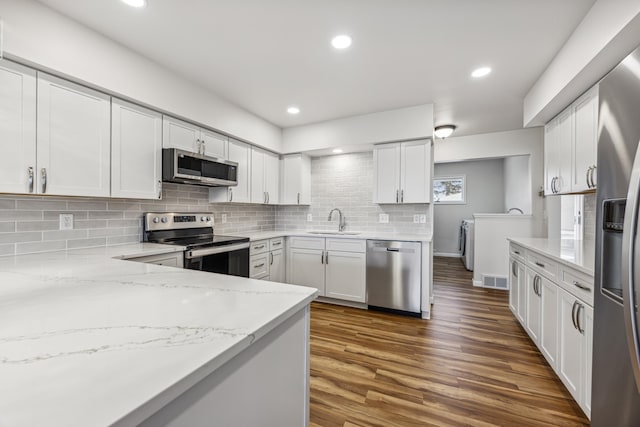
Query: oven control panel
[(173, 221)]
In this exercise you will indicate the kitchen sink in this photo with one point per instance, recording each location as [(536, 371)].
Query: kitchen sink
[(338, 233)]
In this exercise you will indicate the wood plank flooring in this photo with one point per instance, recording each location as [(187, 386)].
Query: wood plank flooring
[(470, 365)]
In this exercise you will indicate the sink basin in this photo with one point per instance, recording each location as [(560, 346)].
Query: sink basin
[(338, 233)]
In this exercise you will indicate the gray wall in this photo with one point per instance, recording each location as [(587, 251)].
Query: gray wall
[(346, 182), (484, 194)]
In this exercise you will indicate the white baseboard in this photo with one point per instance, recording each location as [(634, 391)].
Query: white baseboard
[(447, 254), (478, 283)]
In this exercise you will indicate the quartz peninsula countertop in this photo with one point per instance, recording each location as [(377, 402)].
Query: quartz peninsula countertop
[(580, 254), (89, 339), (364, 235)]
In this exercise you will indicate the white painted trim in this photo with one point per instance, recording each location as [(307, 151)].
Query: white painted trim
[(478, 283), (448, 254)]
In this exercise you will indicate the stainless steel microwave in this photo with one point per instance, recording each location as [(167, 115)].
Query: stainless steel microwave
[(185, 167)]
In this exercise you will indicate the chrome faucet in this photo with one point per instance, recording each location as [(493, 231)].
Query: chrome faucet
[(341, 225), (515, 209)]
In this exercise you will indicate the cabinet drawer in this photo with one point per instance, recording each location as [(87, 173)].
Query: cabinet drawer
[(277, 243), (542, 264), (347, 245), (259, 247), (577, 283), (306, 242), (259, 266), (517, 252)]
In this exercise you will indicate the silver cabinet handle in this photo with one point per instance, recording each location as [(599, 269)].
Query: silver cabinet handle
[(30, 175), (397, 196), (271, 258), (579, 286), (587, 177), (326, 258), (276, 243), (267, 197), (593, 171), (514, 269), (553, 189), (298, 198), (516, 252), (578, 326), (43, 177), (264, 197), (230, 194), (322, 258), (539, 264), (401, 196), (573, 314), (259, 247), (259, 265), (159, 189)]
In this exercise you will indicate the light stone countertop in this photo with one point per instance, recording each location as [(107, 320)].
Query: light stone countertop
[(86, 339), (365, 235), (579, 254)]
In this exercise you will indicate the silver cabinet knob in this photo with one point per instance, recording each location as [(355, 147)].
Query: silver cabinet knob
[(208, 218), (204, 218), (165, 219), (156, 220)]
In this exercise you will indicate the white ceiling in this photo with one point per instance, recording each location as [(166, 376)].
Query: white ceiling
[(264, 55)]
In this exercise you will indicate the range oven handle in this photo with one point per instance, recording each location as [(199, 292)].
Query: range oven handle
[(630, 268), (196, 253)]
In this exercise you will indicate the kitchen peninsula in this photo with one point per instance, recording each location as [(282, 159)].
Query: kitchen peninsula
[(90, 339)]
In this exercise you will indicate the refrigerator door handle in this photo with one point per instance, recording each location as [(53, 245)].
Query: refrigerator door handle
[(629, 267)]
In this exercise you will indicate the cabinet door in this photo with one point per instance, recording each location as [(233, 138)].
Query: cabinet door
[(240, 153), (179, 134), (565, 144), (522, 293), (415, 169), (136, 151), (276, 267), (214, 144), (259, 266), (551, 161), (258, 193), (73, 142), (386, 169), (296, 180), (17, 128), (513, 286), (533, 305), (549, 322), (572, 344), (272, 178), (306, 268), (346, 272), (585, 125)]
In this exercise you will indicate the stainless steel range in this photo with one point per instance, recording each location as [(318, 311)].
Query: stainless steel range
[(205, 251)]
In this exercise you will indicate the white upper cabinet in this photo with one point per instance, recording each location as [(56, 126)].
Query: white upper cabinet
[(295, 180), (265, 177), (240, 153), (192, 138), (570, 147), (17, 128), (585, 124), (136, 151), (402, 172), (73, 139)]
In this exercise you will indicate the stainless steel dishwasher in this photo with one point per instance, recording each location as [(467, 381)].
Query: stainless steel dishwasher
[(394, 276)]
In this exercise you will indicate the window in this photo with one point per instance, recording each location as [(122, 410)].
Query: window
[(449, 189)]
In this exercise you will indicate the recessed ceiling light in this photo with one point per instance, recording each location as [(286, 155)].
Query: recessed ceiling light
[(444, 131), (293, 110), (341, 41), (480, 72), (337, 150), (135, 3)]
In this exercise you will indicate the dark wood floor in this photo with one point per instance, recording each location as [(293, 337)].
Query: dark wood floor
[(471, 364)]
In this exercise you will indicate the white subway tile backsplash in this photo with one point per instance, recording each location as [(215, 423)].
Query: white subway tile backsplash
[(37, 225), (31, 248), (86, 243), (7, 204), (31, 236), (7, 227)]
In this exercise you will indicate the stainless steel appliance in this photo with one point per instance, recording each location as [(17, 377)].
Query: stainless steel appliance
[(205, 251), (467, 243), (616, 344), (394, 276), (191, 168)]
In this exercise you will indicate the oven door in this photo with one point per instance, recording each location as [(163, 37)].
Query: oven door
[(231, 259)]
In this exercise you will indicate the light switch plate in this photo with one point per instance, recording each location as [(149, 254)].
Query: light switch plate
[(416, 219), (384, 218), (66, 221), (224, 218), (423, 219), (309, 217)]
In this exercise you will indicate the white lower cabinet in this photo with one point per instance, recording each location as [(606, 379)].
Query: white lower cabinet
[(559, 319), (266, 260), (276, 266), (518, 294), (336, 267)]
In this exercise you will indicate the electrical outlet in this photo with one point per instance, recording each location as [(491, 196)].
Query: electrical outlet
[(224, 218), (384, 218), (416, 219), (309, 217), (423, 219), (66, 221)]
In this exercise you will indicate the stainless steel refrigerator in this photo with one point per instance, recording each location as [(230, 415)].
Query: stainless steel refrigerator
[(616, 342)]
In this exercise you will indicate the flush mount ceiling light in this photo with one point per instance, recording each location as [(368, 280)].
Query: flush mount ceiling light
[(293, 110), (337, 150), (135, 3), (341, 42), (444, 131), (480, 72)]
